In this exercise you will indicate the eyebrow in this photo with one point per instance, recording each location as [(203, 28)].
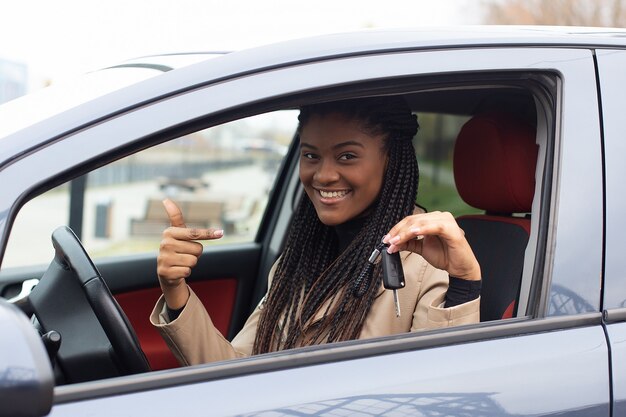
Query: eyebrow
[(337, 146)]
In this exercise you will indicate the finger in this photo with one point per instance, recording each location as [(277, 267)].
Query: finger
[(395, 230), (438, 223), (403, 232), (412, 221), (173, 275), (449, 231), (181, 259), (173, 245), (413, 245), (185, 233), (174, 213)]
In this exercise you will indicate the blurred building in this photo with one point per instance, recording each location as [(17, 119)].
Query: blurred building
[(13, 79)]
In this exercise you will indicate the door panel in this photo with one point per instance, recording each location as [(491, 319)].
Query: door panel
[(223, 279), (552, 373), (218, 297), (617, 338)]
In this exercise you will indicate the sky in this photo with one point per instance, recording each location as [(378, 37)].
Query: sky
[(61, 39)]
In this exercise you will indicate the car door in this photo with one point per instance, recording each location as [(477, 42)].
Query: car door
[(612, 80), (556, 345)]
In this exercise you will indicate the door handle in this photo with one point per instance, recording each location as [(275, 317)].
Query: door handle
[(27, 287)]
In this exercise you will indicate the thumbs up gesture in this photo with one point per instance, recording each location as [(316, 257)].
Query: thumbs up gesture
[(178, 253)]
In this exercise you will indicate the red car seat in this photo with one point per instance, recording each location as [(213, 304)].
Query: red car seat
[(495, 156)]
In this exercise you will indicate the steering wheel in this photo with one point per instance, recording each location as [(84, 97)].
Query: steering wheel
[(97, 341)]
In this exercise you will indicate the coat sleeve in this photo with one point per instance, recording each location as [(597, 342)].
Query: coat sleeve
[(192, 337), (429, 311)]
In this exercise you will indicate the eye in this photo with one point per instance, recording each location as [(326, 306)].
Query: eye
[(309, 155), (347, 156)]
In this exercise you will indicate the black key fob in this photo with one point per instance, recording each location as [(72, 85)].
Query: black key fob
[(393, 274)]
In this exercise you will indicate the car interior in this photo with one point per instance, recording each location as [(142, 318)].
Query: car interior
[(482, 150)]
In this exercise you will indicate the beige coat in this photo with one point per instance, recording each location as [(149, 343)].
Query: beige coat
[(193, 338)]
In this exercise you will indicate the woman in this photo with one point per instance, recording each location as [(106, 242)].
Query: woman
[(358, 168)]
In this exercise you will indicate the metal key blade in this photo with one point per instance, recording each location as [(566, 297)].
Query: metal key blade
[(397, 302)]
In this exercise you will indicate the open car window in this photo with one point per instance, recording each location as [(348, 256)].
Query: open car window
[(224, 174), (220, 176)]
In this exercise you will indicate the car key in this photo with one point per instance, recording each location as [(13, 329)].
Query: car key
[(393, 275)]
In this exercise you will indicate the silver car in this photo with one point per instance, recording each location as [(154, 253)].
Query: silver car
[(88, 165)]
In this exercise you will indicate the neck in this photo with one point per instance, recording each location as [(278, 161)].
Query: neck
[(346, 232)]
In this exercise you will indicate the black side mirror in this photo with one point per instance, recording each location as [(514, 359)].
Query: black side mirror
[(26, 378)]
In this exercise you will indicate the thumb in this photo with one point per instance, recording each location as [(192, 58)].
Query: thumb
[(174, 213)]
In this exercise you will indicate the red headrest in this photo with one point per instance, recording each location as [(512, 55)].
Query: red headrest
[(494, 163)]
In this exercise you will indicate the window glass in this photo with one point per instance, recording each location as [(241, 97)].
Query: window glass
[(220, 177), (39, 217), (434, 146)]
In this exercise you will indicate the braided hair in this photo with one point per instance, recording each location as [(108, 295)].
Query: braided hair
[(310, 278)]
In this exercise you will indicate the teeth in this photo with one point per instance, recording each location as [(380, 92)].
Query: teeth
[(333, 194)]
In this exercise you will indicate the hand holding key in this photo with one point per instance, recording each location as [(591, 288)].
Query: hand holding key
[(439, 239), (178, 254)]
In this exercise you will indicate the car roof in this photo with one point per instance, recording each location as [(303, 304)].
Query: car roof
[(218, 67), (58, 98)]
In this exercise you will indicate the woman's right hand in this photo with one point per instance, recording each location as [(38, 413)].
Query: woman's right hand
[(178, 253)]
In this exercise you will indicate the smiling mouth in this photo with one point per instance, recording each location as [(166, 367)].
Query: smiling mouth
[(333, 194)]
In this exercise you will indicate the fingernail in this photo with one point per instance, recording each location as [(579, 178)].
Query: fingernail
[(415, 230), (395, 240), (389, 249), (386, 238), (218, 233)]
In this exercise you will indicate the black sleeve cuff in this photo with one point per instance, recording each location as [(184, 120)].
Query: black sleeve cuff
[(461, 291), (173, 314)]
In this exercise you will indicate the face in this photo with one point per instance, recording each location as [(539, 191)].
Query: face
[(341, 167)]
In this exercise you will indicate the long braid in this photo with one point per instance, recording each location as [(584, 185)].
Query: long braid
[(400, 186), (310, 278)]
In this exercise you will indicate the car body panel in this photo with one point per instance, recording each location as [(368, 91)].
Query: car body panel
[(617, 337), (613, 87), (578, 143), (612, 82), (385, 384)]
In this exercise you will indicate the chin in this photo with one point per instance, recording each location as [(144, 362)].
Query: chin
[(331, 220)]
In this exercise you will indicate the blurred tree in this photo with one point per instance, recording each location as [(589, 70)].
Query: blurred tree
[(600, 13)]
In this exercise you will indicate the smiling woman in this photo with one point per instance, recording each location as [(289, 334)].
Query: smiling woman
[(359, 171), (341, 167)]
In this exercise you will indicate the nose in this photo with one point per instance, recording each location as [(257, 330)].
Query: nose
[(326, 172)]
